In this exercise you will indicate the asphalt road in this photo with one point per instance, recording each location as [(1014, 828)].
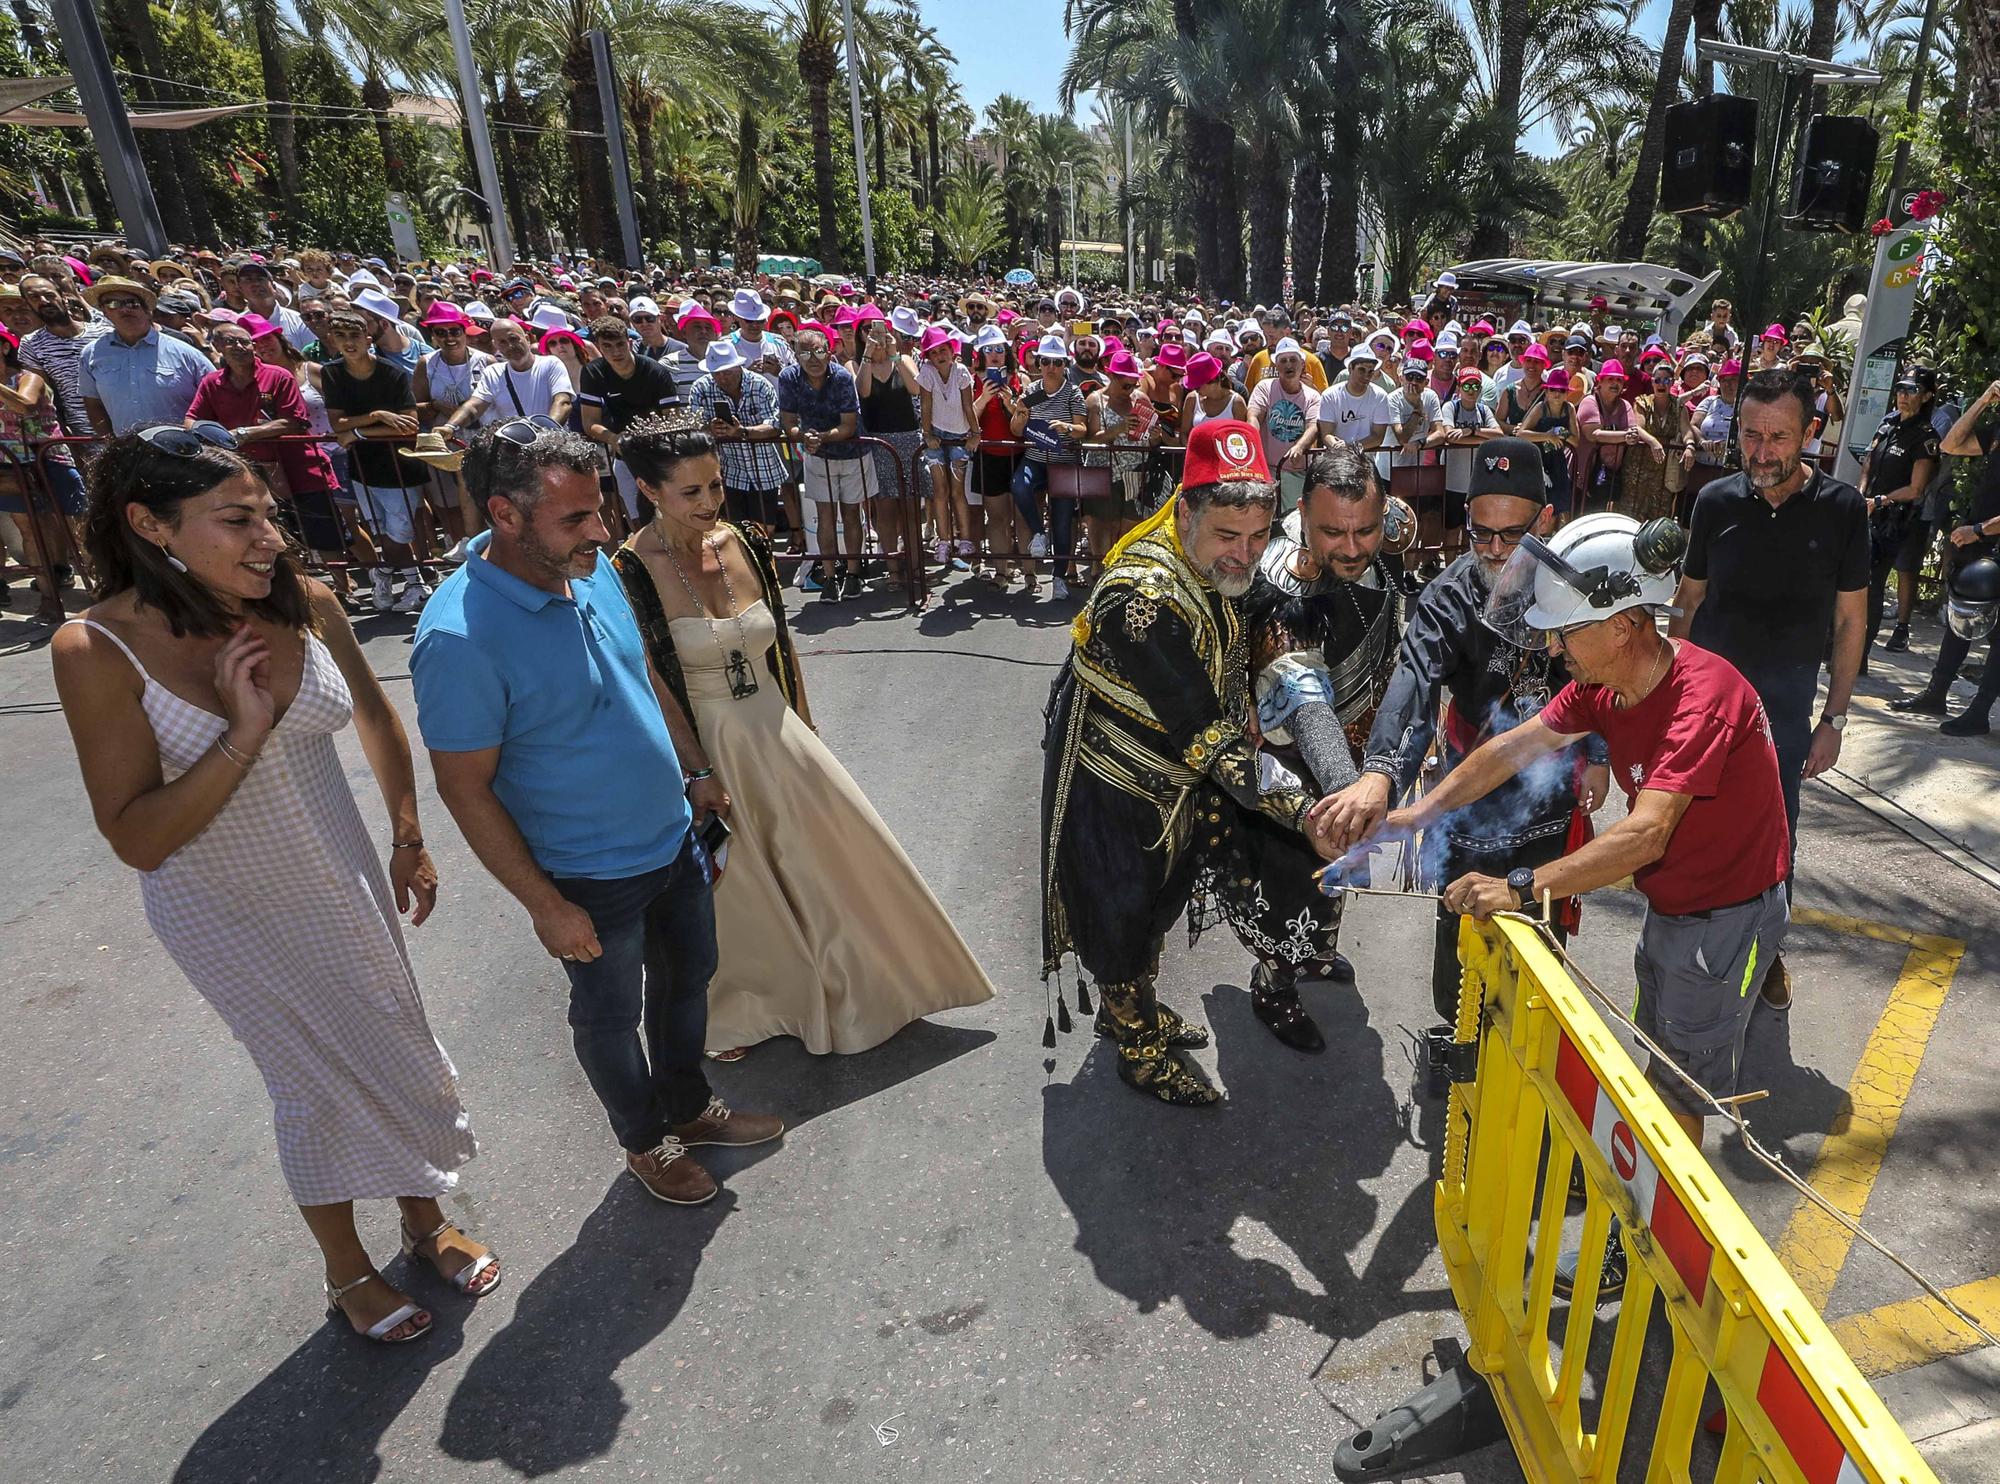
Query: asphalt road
[(969, 1258)]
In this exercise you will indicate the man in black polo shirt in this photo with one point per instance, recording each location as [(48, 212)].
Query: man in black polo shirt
[(1778, 556), (1975, 537), (619, 388)]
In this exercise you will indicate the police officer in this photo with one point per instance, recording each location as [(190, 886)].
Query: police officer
[(1972, 541), (1895, 473)]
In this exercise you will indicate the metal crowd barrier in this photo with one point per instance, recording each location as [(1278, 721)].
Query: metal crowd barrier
[(1545, 1086), (916, 583)]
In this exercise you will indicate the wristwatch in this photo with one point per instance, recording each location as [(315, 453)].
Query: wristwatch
[(1521, 882), (1836, 720)]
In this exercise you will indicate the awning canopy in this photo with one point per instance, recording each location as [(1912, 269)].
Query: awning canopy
[(1630, 290), (170, 118)]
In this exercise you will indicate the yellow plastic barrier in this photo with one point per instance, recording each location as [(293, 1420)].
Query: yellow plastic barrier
[(1798, 1412)]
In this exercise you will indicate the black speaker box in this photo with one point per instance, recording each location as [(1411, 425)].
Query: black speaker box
[(1834, 176), (1710, 156)]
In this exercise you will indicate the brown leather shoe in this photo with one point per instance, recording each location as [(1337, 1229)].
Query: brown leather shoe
[(1777, 987), (670, 1174), (717, 1125)]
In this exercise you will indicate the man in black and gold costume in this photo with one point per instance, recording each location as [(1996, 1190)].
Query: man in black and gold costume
[(1151, 803), (1324, 615)]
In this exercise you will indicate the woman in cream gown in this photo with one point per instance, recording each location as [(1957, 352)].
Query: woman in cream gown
[(824, 929)]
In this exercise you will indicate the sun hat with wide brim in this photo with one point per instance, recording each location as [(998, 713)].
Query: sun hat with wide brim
[(113, 284), (431, 449)]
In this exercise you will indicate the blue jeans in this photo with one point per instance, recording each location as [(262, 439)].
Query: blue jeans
[(658, 935), (1029, 482)]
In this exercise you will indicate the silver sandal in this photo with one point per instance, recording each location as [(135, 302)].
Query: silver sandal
[(466, 1276), (378, 1331)]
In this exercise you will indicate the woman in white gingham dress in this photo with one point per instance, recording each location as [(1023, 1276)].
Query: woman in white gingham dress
[(274, 902)]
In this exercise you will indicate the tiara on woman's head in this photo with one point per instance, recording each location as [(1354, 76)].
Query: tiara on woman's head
[(668, 421)]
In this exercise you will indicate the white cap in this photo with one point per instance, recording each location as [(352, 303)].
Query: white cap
[(1051, 348), (643, 305), (723, 355), (480, 310), (1287, 347), (1362, 355), (1520, 327), (747, 305), (548, 317), (375, 301), (1446, 345), (906, 321)]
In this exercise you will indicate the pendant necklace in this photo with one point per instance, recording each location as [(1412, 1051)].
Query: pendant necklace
[(736, 663)]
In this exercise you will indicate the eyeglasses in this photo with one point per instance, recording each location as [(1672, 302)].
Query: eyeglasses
[(1488, 535), (232, 342), (645, 319), (121, 301), (188, 442)]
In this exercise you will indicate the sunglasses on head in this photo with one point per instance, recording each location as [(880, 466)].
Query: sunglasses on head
[(186, 443), (523, 431)]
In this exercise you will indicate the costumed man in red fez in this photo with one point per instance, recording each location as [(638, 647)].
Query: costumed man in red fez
[(1151, 803)]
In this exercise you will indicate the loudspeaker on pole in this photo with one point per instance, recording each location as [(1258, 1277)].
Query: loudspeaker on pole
[(1711, 150), (1834, 179)]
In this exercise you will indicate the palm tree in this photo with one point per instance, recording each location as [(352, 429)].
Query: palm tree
[(270, 36), (814, 28), (968, 218), (1637, 221)]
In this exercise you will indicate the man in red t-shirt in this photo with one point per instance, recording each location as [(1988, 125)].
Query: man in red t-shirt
[(1705, 840)]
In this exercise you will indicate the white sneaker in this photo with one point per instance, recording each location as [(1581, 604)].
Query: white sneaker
[(1059, 590), (1039, 546), (385, 590), (458, 553), (414, 594)]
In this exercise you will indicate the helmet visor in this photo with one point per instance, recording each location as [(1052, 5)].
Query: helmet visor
[(1536, 593), (1971, 621)]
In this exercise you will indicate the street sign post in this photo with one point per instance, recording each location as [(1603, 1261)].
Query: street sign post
[(1878, 348)]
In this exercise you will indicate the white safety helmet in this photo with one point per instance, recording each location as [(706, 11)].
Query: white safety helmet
[(1590, 570)]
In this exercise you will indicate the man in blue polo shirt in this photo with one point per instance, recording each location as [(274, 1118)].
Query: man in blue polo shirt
[(538, 705), (134, 375)]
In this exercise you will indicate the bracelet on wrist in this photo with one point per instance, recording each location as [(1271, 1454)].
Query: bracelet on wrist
[(696, 776), (235, 755), (416, 844)]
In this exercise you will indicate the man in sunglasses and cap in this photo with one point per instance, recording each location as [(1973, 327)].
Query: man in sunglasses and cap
[(1491, 686), (1151, 797)]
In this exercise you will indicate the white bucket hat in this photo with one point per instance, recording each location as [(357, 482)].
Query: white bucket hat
[(723, 355), (749, 306)]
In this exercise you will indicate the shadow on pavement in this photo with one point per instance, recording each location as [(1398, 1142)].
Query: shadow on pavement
[(1157, 1192), (322, 1412), (782, 1077), (541, 1395), (1804, 1101)]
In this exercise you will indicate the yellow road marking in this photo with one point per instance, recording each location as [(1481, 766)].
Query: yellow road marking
[(1915, 1331), (1814, 1247)]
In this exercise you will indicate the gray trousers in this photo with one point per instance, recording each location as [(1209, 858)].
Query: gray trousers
[(1698, 982)]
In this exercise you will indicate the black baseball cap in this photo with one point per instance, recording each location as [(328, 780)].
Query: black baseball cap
[(1508, 466)]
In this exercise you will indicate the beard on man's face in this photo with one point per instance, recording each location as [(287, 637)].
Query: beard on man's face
[(52, 311)]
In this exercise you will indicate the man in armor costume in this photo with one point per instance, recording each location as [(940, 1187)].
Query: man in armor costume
[(1324, 616), (1492, 687), (1151, 777)]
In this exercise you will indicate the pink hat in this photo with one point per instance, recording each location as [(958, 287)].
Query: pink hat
[(1776, 332), (813, 324), (934, 337), (1173, 355), (1123, 364), (1416, 329), (1481, 327), (1163, 326), (255, 326), (1113, 345), (868, 312), (1557, 380), (1612, 370), (844, 315), (219, 314), (692, 313), (1534, 353), (550, 337), (1201, 370), (443, 313), (79, 268), (1730, 367), (1420, 350), (1651, 353), (1006, 317)]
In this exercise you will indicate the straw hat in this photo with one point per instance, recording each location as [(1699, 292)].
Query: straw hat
[(432, 449), (113, 284)]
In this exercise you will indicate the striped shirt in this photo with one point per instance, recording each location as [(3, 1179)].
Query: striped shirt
[(745, 466)]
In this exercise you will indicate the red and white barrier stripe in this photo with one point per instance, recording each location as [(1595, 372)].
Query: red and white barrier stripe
[(1814, 1445), (1673, 1229)]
